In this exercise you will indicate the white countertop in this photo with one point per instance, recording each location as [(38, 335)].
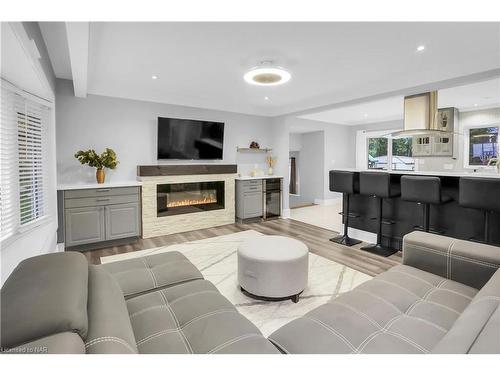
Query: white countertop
[(95, 185), (432, 173), (257, 177)]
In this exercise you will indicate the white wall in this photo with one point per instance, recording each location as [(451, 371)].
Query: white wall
[(129, 127), (41, 239)]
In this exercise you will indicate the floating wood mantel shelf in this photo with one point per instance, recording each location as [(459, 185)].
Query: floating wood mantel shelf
[(247, 149), (184, 169)]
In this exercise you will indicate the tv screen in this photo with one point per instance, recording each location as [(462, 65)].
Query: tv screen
[(189, 139)]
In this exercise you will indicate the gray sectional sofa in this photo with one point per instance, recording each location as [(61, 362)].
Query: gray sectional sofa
[(444, 299)]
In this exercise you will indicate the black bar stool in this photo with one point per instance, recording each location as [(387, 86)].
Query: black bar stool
[(481, 194), (424, 190), (346, 183), (378, 185)]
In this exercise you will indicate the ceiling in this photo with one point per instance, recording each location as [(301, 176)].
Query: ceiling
[(17, 65), (202, 64), (55, 32), (479, 95)]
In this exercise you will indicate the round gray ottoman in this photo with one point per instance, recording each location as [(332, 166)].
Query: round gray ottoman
[(273, 267)]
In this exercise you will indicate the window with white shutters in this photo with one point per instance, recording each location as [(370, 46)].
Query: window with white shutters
[(23, 139)]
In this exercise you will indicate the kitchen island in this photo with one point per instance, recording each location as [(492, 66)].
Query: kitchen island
[(450, 218)]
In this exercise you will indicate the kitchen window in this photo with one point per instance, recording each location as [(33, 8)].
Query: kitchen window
[(381, 150), (481, 145), (23, 199), (378, 153)]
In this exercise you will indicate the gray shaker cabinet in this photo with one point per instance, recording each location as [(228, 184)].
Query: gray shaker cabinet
[(122, 221), (84, 225), (92, 216), (248, 199)]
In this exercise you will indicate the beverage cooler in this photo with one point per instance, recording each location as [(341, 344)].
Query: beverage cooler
[(272, 198)]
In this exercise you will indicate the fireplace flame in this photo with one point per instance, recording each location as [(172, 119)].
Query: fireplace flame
[(190, 202)]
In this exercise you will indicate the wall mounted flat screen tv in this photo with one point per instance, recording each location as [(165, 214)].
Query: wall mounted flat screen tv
[(190, 139)]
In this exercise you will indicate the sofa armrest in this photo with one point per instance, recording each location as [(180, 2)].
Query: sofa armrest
[(466, 262)]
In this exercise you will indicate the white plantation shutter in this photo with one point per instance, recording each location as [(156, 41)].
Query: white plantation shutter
[(23, 164)]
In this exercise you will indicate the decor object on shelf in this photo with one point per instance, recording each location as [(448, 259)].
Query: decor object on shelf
[(256, 171), (271, 162), (105, 160), (254, 145), (251, 149)]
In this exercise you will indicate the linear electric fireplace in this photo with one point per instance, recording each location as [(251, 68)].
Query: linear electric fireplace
[(189, 197)]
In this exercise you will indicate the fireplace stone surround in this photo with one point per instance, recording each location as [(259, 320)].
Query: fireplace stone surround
[(193, 210)]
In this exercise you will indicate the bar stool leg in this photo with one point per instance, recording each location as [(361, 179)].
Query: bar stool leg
[(426, 216), (486, 226), (378, 248), (345, 239)]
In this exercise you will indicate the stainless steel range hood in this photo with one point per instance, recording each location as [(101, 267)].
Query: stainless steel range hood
[(421, 117)]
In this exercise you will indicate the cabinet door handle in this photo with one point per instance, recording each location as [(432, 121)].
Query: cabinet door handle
[(102, 190), (102, 199)]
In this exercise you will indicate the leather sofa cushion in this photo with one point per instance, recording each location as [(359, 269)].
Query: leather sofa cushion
[(192, 318), (110, 331), (43, 296), (60, 343), (478, 328), (404, 310), (466, 262), (140, 275)]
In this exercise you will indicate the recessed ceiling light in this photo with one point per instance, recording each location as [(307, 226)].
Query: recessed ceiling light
[(365, 115), (267, 75), (154, 77), (475, 104), (420, 48), (266, 97)]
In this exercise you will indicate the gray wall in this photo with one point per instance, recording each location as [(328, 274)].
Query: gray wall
[(339, 149), (340, 152), (129, 127), (310, 167)]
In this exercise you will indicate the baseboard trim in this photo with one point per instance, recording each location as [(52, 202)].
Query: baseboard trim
[(286, 213), (327, 202)]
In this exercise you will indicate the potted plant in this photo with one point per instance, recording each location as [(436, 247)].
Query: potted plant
[(105, 160)]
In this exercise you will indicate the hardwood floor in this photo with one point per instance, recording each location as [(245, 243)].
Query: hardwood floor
[(316, 238)]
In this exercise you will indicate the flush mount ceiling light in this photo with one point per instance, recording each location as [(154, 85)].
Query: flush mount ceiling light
[(267, 75), (420, 48), (154, 77)]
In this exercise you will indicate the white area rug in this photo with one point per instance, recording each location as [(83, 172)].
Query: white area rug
[(216, 258)]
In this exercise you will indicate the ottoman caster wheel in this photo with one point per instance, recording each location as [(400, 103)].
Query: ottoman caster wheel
[(295, 298)]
